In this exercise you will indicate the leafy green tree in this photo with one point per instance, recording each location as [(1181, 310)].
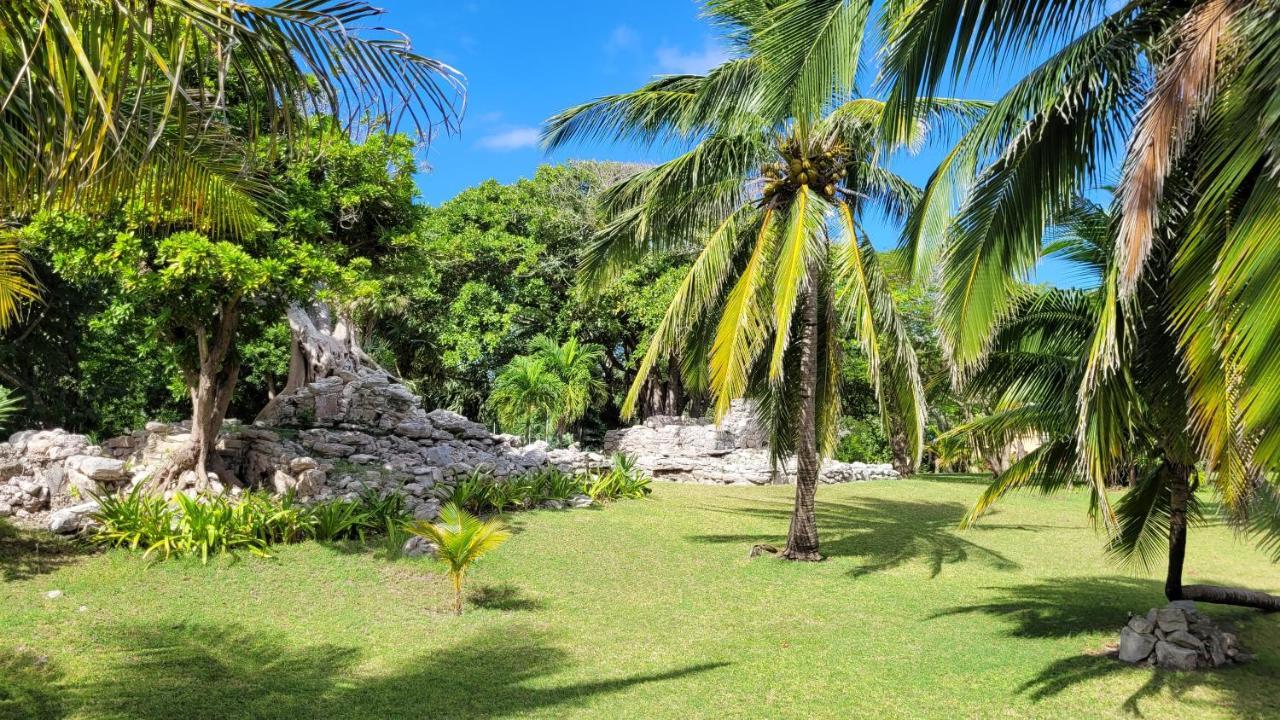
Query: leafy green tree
[(785, 159), (528, 397), (494, 267), (1188, 90), (196, 291), (105, 100), (461, 539), (1031, 375)]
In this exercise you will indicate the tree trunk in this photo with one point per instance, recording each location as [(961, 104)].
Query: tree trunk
[(675, 391), (1179, 489), (1178, 477), (802, 537), (901, 458), (324, 343), (211, 385)]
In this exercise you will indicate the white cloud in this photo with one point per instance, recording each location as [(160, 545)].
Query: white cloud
[(621, 38), (513, 139), (678, 61)]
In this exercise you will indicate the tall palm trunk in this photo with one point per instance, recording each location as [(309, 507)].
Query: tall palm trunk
[(802, 537), (1179, 499), (1179, 491)]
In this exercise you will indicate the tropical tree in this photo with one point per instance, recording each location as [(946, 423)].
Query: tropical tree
[(1030, 377), (783, 160), (528, 397), (1183, 95), (104, 101), (578, 367), (461, 539)]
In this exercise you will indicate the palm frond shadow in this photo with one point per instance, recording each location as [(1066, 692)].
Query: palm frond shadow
[(884, 533), (1065, 608), (161, 672), (29, 687)]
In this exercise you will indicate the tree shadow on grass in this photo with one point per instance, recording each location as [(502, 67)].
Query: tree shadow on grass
[(885, 533), (25, 554), (503, 596), (210, 671), (28, 687), (1074, 606)]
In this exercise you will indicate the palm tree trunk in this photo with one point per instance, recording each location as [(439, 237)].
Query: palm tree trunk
[(1179, 497), (457, 593), (802, 537), (1179, 490)]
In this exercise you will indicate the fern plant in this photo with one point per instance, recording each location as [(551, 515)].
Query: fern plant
[(461, 539)]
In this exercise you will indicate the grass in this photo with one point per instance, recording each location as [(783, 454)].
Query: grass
[(646, 609)]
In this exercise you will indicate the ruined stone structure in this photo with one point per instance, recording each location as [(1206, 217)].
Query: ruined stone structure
[(361, 431), (735, 452)]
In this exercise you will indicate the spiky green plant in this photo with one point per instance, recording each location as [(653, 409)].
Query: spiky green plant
[(10, 403), (528, 397), (784, 160), (578, 367), (461, 539)]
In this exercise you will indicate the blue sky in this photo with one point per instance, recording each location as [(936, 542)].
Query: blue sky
[(525, 61)]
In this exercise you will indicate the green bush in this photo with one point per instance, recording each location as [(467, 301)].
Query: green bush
[(208, 525), (862, 440), (622, 480)]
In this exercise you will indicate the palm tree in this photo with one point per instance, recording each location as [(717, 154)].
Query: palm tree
[(1184, 93), (461, 539), (103, 101), (578, 367), (527, 396), (1030, 377), (784, 159)]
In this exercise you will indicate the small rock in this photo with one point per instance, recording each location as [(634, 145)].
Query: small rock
[(579, 501), (551, 505), (419, 547), (1186, 640), (1170, 619), (53, 594), (1135, 646), (299, 464), (1174, 657), (1142, 625), (72, 519)]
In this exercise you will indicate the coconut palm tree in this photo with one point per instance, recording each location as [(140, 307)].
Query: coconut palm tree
[(461, 539), (1030, 376), (783, 160), (1183, 95), (103, 101), (527, 396), (578, 367)]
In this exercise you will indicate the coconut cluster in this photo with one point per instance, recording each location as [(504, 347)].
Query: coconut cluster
[(819, 170)]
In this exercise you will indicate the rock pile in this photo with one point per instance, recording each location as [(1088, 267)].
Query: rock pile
[(1178, 637), (696, 450)]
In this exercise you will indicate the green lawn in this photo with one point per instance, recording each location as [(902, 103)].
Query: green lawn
[(646, 609)]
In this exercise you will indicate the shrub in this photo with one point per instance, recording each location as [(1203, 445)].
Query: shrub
[(138, 521), (339, 520), (471, 493), (552, 483), (211, 524), (622, 480)]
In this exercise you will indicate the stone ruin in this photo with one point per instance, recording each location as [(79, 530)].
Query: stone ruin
[(360, 431), (1179, 637), (735, 453)]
